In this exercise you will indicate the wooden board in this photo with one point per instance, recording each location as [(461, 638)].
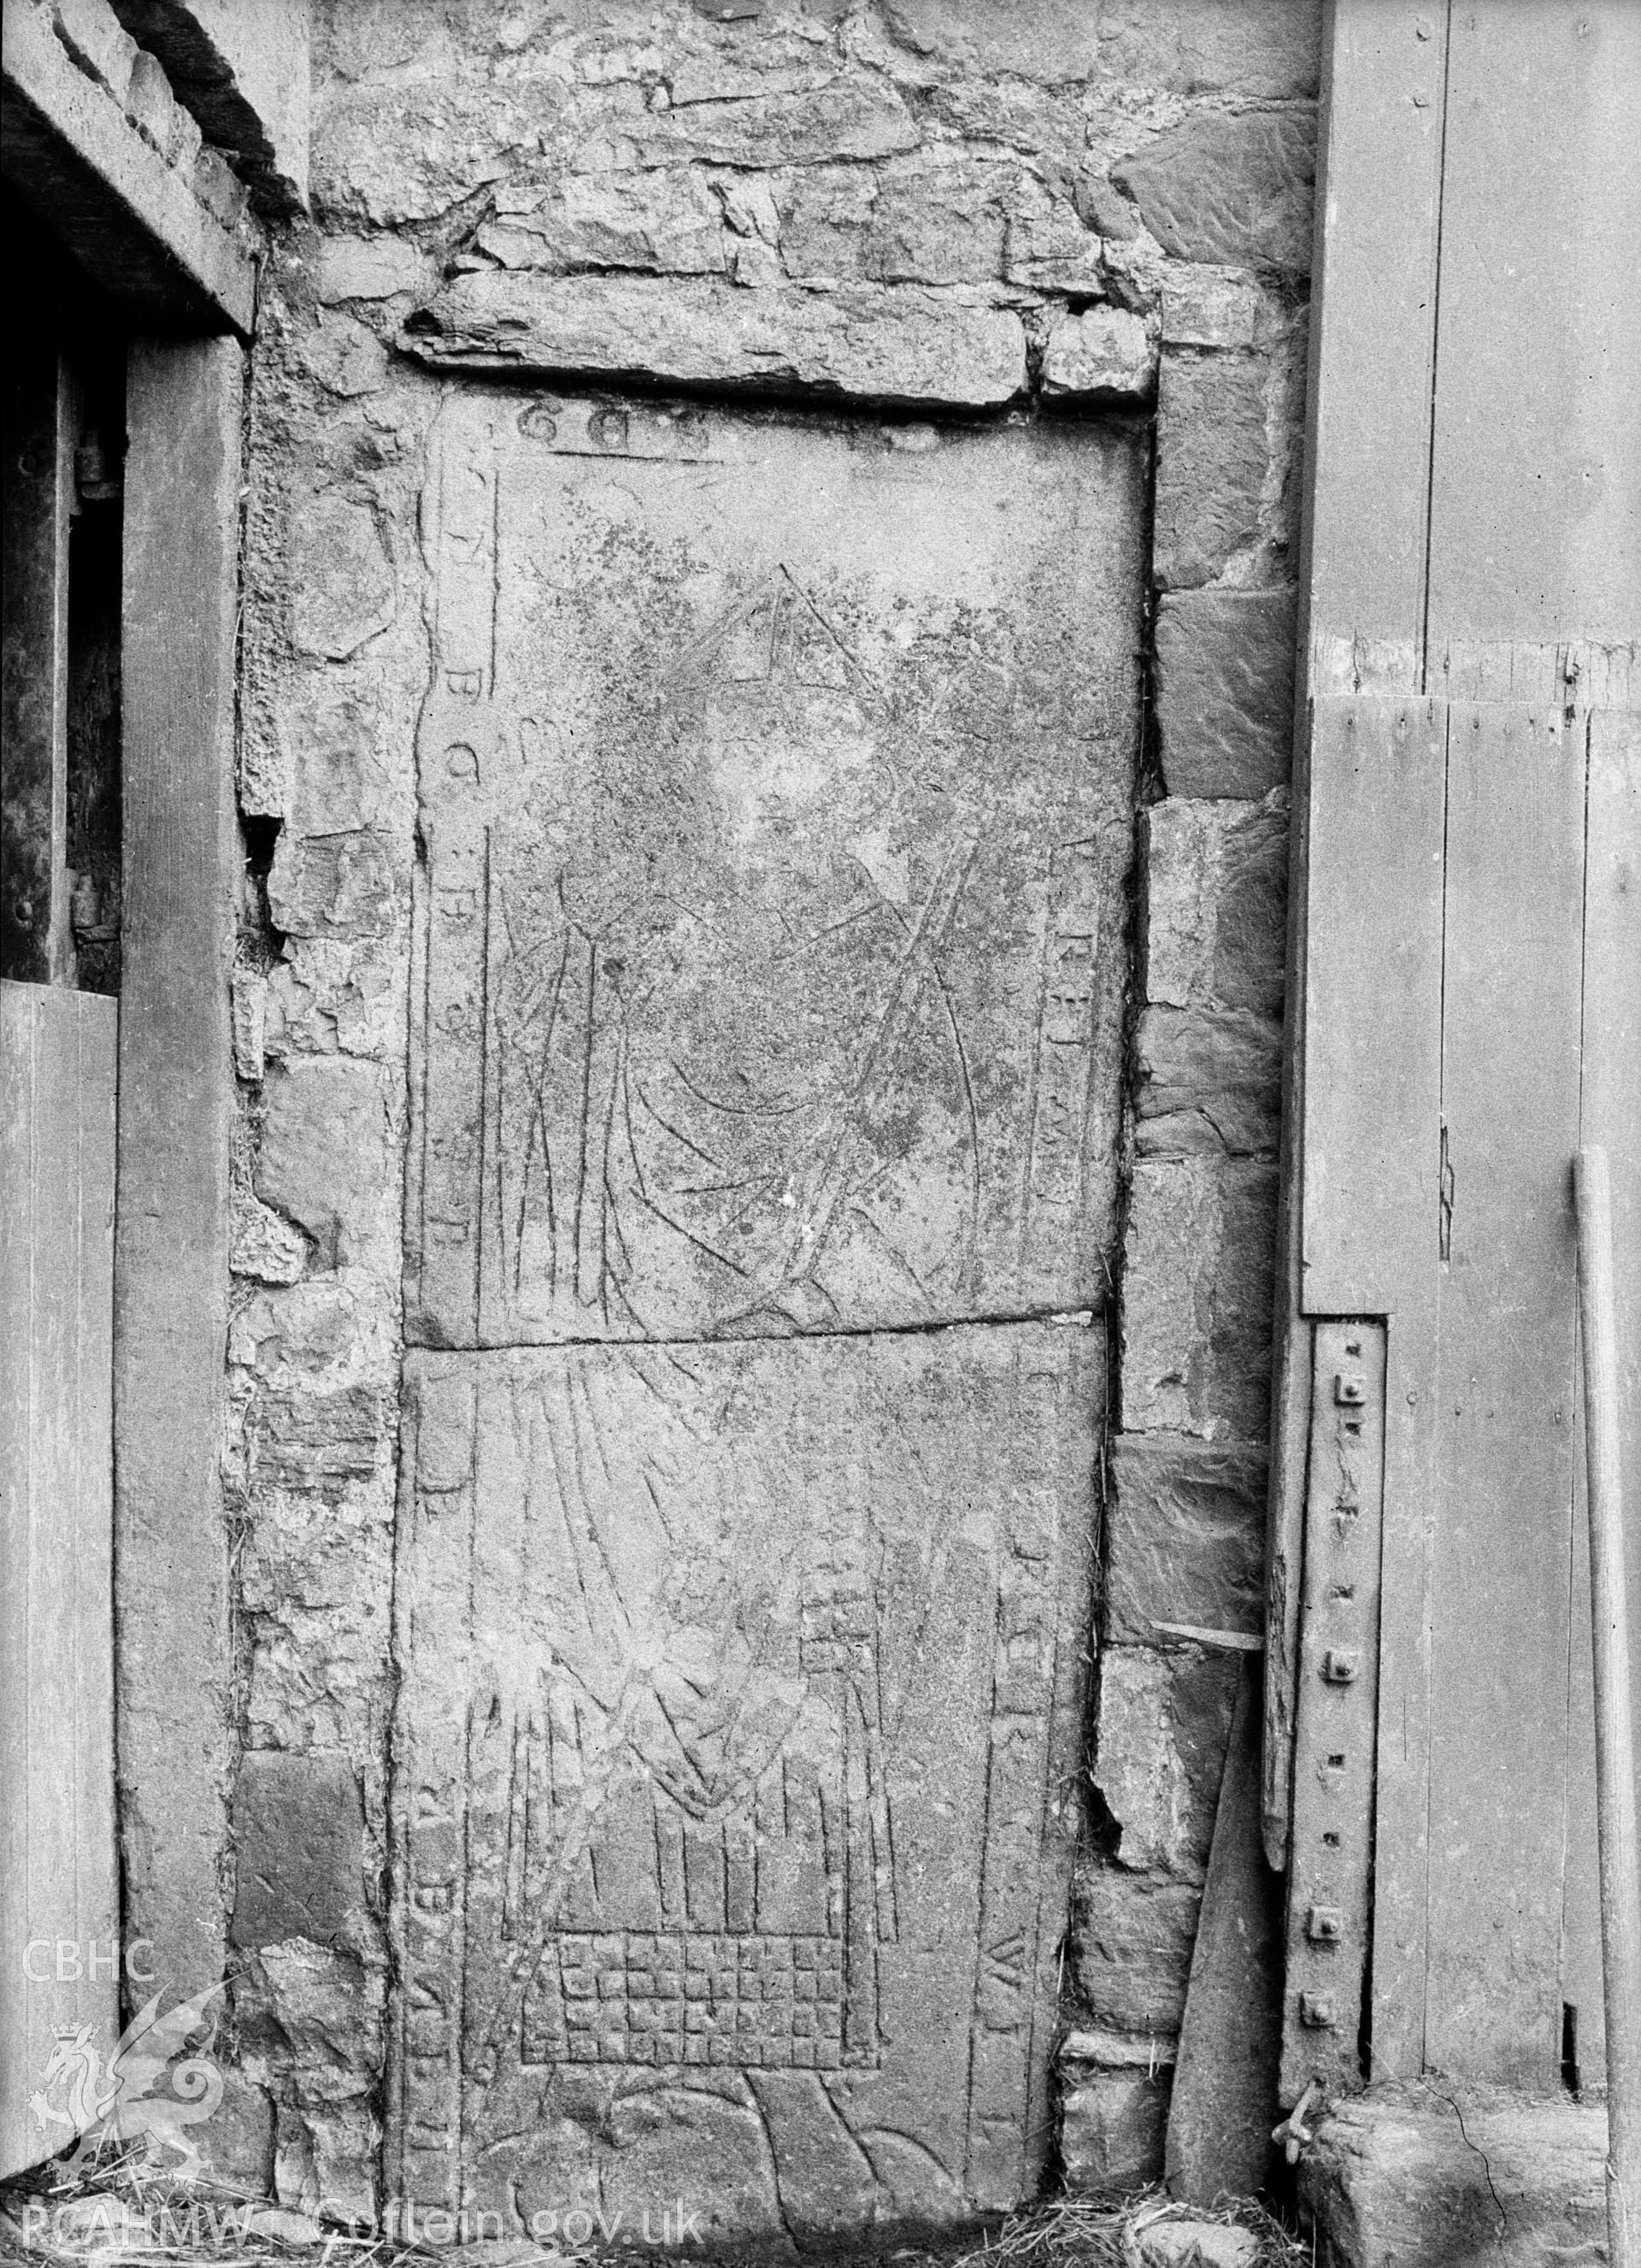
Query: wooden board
[(1535, 492), (1504, 1418), (1362, 600), (1330, 1867), (1373, 978), (176, 1083), (1375, 323), (1610, 1115), (57, 1875), (1222, 2104)]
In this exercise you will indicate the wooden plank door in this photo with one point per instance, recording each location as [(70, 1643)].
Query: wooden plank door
[(1465, 969)]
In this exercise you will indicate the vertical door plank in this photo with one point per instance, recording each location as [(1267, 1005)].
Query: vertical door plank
[(1371, 1151), (1372, 1090), (1536, 496), (36, 944), (1362, 605), (176, 1081), (58, 1878), (1380, 183), (1610, 1115), (1505, 1420)]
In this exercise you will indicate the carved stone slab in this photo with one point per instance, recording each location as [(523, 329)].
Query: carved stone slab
[(776, 779), (736, 1763)]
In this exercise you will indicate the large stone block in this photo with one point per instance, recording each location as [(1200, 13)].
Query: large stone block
[(1230, 188), (1185, 1538), (1113, 2126), (775, 920), (1212, 455), (1129, 1945), (1224, 690), (904, 345), (736, 1751), (1269, 48), (1196, 1298), (1103, 354), (341, 582), (327, 1150), (933, 217), (298, 1831), (1214, 904), (1417, 2178), (666, 220), (243, 71), (1208, 1083), (852, 117), (1163, 1725)]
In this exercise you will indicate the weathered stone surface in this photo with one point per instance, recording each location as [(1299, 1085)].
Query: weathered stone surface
[(1231, 187), (1216, 307), (1421, 2179), (1129, 1944), (1104, 354), (1160, 1748), (808, 826), (317, 1442), (341, 582), (299, 1829), (1185, 1538), (878, 345), (1211, 457), (1215, 903), (1224, 690), (1048, 246), (349, 884), (936, 223), (752, 1767), (859, 118), (1112, 2129), (1188, 2242), (327, 1150), (668, 221), (1260, 47), (329, 995), (1208, 1083), (309, 2023), (262, 1244), (1054, 42), (370, 268), (346, 359), (1197, 1295)]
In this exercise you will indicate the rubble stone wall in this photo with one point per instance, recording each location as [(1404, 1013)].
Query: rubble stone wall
[(926, 207)]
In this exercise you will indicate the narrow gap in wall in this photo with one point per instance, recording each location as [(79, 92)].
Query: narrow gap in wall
[(94, 802), (1570, 2077)]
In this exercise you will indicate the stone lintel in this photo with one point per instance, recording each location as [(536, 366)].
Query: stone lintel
[(145, 228), (901, 346), (241, 66)]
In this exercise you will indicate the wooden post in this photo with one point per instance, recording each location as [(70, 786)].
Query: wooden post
[(172, 1657), (58, 1904), (1614, 1751)]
